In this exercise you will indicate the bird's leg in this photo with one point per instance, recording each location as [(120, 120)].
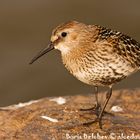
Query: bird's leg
[(108, 95), (97, 107), (96, 96), (99, 119)]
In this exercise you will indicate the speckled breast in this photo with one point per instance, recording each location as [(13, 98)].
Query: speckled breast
[(104, 72)]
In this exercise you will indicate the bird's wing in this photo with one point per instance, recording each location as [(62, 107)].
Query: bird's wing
[(123, 45)]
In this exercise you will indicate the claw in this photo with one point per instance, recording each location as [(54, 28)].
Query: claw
[(90, 122), (97, 120), (88, 109), (96, 109)]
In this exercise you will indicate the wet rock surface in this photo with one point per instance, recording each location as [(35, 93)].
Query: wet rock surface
[(61, 119)]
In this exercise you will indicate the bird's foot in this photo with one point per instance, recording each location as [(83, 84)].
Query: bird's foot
[(87, 109), (97, 120), (96, 110)]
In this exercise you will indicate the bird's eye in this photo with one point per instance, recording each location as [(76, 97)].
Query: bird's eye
[(63, 34)]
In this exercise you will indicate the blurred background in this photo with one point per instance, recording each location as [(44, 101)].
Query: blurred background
[(25, 28)]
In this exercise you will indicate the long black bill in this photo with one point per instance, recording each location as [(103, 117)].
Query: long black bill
[(41, 53)]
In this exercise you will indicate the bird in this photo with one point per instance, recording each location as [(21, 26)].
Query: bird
[(95, 55)]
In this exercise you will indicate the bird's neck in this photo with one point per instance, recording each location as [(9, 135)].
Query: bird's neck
[(74, 59)]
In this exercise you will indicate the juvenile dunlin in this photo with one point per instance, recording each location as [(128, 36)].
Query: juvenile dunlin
[(95, 55)]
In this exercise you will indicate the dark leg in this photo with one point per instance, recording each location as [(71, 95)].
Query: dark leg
[(108, 95), (97, 106), (96, 95), (99, 119)]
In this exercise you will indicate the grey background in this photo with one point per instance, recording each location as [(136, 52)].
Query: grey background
[(25, 28)]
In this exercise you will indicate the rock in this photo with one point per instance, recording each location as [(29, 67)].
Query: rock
[(60, 118)]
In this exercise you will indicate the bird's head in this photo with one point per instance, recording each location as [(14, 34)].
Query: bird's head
[(65, 38)]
